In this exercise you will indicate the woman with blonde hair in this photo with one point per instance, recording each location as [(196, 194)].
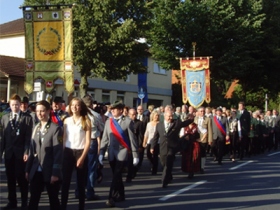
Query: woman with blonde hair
[(149, 134), (76, 142)]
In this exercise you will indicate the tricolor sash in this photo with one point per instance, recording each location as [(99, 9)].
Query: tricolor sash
[(220, 125), (55, 119), (119, 133)]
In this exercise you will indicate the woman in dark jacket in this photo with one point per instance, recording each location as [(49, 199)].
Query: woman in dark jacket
[(45, 160)]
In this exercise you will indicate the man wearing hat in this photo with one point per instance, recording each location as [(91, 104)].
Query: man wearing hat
[(220, 134), (58, 115), (24, 105), (120, 139)]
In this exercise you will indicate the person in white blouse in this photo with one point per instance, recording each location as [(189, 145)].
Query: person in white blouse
[(149, 134), (76, 138)]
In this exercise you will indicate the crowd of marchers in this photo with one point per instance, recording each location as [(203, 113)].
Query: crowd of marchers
[(42, 144)]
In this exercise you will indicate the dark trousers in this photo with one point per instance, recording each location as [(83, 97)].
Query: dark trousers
[(117, 187), (70, 158), (141, 157), (244, 146), (233, 136), (153, 158), (131, 169), (15, 172), (276, 140), (203, 149), (37, 187), (167, 161), (92, 168), (218, 147)]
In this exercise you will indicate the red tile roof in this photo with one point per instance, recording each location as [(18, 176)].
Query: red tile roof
[(12, 66), (12, 28)]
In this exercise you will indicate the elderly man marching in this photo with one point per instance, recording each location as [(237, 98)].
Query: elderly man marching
[(120, 139), (204, 125)]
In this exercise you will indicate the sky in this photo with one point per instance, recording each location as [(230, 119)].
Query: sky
[(9, 10)]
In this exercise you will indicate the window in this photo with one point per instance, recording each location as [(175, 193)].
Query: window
[(120, 96), (158, 69), (105, 96)]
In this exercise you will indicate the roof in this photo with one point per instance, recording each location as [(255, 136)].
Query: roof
[(12, 66), (14, 27)]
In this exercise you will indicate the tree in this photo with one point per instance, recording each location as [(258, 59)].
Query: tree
[(230, 31), (105, 37)]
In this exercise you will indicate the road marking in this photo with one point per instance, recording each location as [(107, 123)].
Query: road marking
[(243, 164), (182, 190), (275, 153)]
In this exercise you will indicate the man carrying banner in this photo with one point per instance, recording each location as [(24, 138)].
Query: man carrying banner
[(220, 134), (120, 138)]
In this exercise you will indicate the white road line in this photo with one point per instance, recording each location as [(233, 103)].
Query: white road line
[(182, 190), (243, 164), (275, 153)]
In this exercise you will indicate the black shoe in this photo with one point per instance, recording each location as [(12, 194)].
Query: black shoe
[(220, 163), (119, 199), (24, 206), (202, 171), (99, 179), (190, 175), (110, 203), (10, 206), (93, 198), (128, 180), (164, 185)]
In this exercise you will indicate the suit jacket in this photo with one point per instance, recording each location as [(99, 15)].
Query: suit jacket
[(48, 155), (206, 124), (139, 132), (170, 139), (216, 132), (115, 149), (245, 122), (19, 144)]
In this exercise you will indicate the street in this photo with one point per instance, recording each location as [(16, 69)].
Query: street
[(253, 183)]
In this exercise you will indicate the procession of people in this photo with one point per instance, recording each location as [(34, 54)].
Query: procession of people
[(42, 147)]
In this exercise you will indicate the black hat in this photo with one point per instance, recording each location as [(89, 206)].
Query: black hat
[(219, 109), (25, 100), (58, 99), (117, 105)]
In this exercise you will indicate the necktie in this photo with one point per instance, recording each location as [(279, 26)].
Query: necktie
[(15, 119), (167, 127)]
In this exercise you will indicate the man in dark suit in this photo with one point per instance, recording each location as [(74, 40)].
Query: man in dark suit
[(245, 122), (58, 112), (220, 134), (15, 135), (168, 133), (144, 119), (139, 133)]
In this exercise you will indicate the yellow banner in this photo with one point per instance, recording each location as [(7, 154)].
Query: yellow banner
[(49, 41), (47, 55)]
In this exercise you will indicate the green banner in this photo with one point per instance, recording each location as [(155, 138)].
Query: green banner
[(48, 47)]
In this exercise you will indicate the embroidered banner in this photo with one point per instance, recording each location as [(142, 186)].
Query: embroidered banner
[(195, 79), (48, 47)]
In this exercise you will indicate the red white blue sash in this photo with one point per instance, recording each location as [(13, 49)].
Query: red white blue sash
[(55, 119), (220, 125), (119, 133)]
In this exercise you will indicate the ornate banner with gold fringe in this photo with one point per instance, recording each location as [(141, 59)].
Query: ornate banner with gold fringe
[(48, 47), (195, 79)]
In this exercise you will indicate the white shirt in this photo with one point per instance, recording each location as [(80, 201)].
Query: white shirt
[(18, 113), (75, 134)]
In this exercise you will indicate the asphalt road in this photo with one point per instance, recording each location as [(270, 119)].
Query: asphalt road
[(253, 183)]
